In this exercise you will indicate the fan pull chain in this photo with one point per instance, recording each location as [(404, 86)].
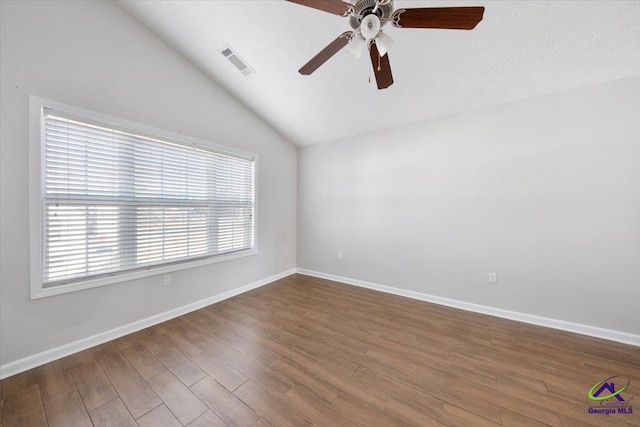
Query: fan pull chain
[(379, 67)]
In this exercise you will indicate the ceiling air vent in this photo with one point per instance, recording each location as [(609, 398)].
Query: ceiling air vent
[(236, 61)]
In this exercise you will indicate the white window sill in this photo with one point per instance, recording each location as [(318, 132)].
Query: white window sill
[(38, 291)]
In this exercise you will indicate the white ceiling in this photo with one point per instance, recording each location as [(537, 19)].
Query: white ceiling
[(521, 49)]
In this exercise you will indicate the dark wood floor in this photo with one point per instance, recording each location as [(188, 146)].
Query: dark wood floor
[(305, 351)]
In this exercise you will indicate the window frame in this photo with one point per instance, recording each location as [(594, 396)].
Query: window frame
[(36, 199)]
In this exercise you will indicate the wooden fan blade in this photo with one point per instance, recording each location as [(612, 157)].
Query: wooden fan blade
[(453, 18), (337, 7), (326, 54), (381, 67)]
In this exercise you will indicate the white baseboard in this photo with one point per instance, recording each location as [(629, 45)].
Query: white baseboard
[(593, 331), (47, 356)]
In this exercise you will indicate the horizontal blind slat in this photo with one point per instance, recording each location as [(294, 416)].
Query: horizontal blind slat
[(117, 201)]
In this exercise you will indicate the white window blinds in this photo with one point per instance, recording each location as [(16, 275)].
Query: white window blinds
[(115, 201)]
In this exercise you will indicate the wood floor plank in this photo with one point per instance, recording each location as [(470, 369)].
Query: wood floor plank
[(255, 349), (314, 351), (177, 397), (261, 374), (93, 385), (513, 419), (269, 407), (228, 407), (412, 371), (315, 409), (337, 336), (134, 392), (354, 409), (151, 340), (211, 328), (288, 353), (113, 413), (67, 411), (109, 358), (125, 342), (24, 407), (54, 381), (455, 416), (181, 366), (159, 417), (18, 382), (183, 344), (72, 361), (216, 347), (421, 401), (143, 361), (534, 384), (298, 375), (477, 371), (262, 423), (350, 385), (409, 414), (208, 419), (265, 328), (220, 371)]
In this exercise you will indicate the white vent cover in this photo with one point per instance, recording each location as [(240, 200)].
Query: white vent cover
[(236, 60)]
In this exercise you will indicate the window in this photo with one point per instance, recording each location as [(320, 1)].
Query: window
[(116, 201)]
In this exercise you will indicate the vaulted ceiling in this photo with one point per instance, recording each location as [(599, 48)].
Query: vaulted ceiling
[(521, 49)]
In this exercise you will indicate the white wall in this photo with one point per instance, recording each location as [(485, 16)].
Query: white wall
[(544, 191), (95, 56)]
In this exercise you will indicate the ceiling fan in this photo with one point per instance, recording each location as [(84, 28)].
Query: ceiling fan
[(367, 17)]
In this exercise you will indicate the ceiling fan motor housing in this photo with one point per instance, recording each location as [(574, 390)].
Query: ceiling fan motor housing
[(365, 7)]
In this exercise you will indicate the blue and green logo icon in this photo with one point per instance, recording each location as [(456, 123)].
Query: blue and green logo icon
[(609, 397)]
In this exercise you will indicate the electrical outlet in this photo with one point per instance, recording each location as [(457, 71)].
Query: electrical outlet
[(286, 252), (167, 279), (493, 278), (340, 255)]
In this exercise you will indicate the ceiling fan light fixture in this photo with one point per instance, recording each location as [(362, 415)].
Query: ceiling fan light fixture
[(368, 17), (370, 26), (356, 46), (384, 43)]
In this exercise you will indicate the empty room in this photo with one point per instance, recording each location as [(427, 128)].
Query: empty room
[(319, 212)]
